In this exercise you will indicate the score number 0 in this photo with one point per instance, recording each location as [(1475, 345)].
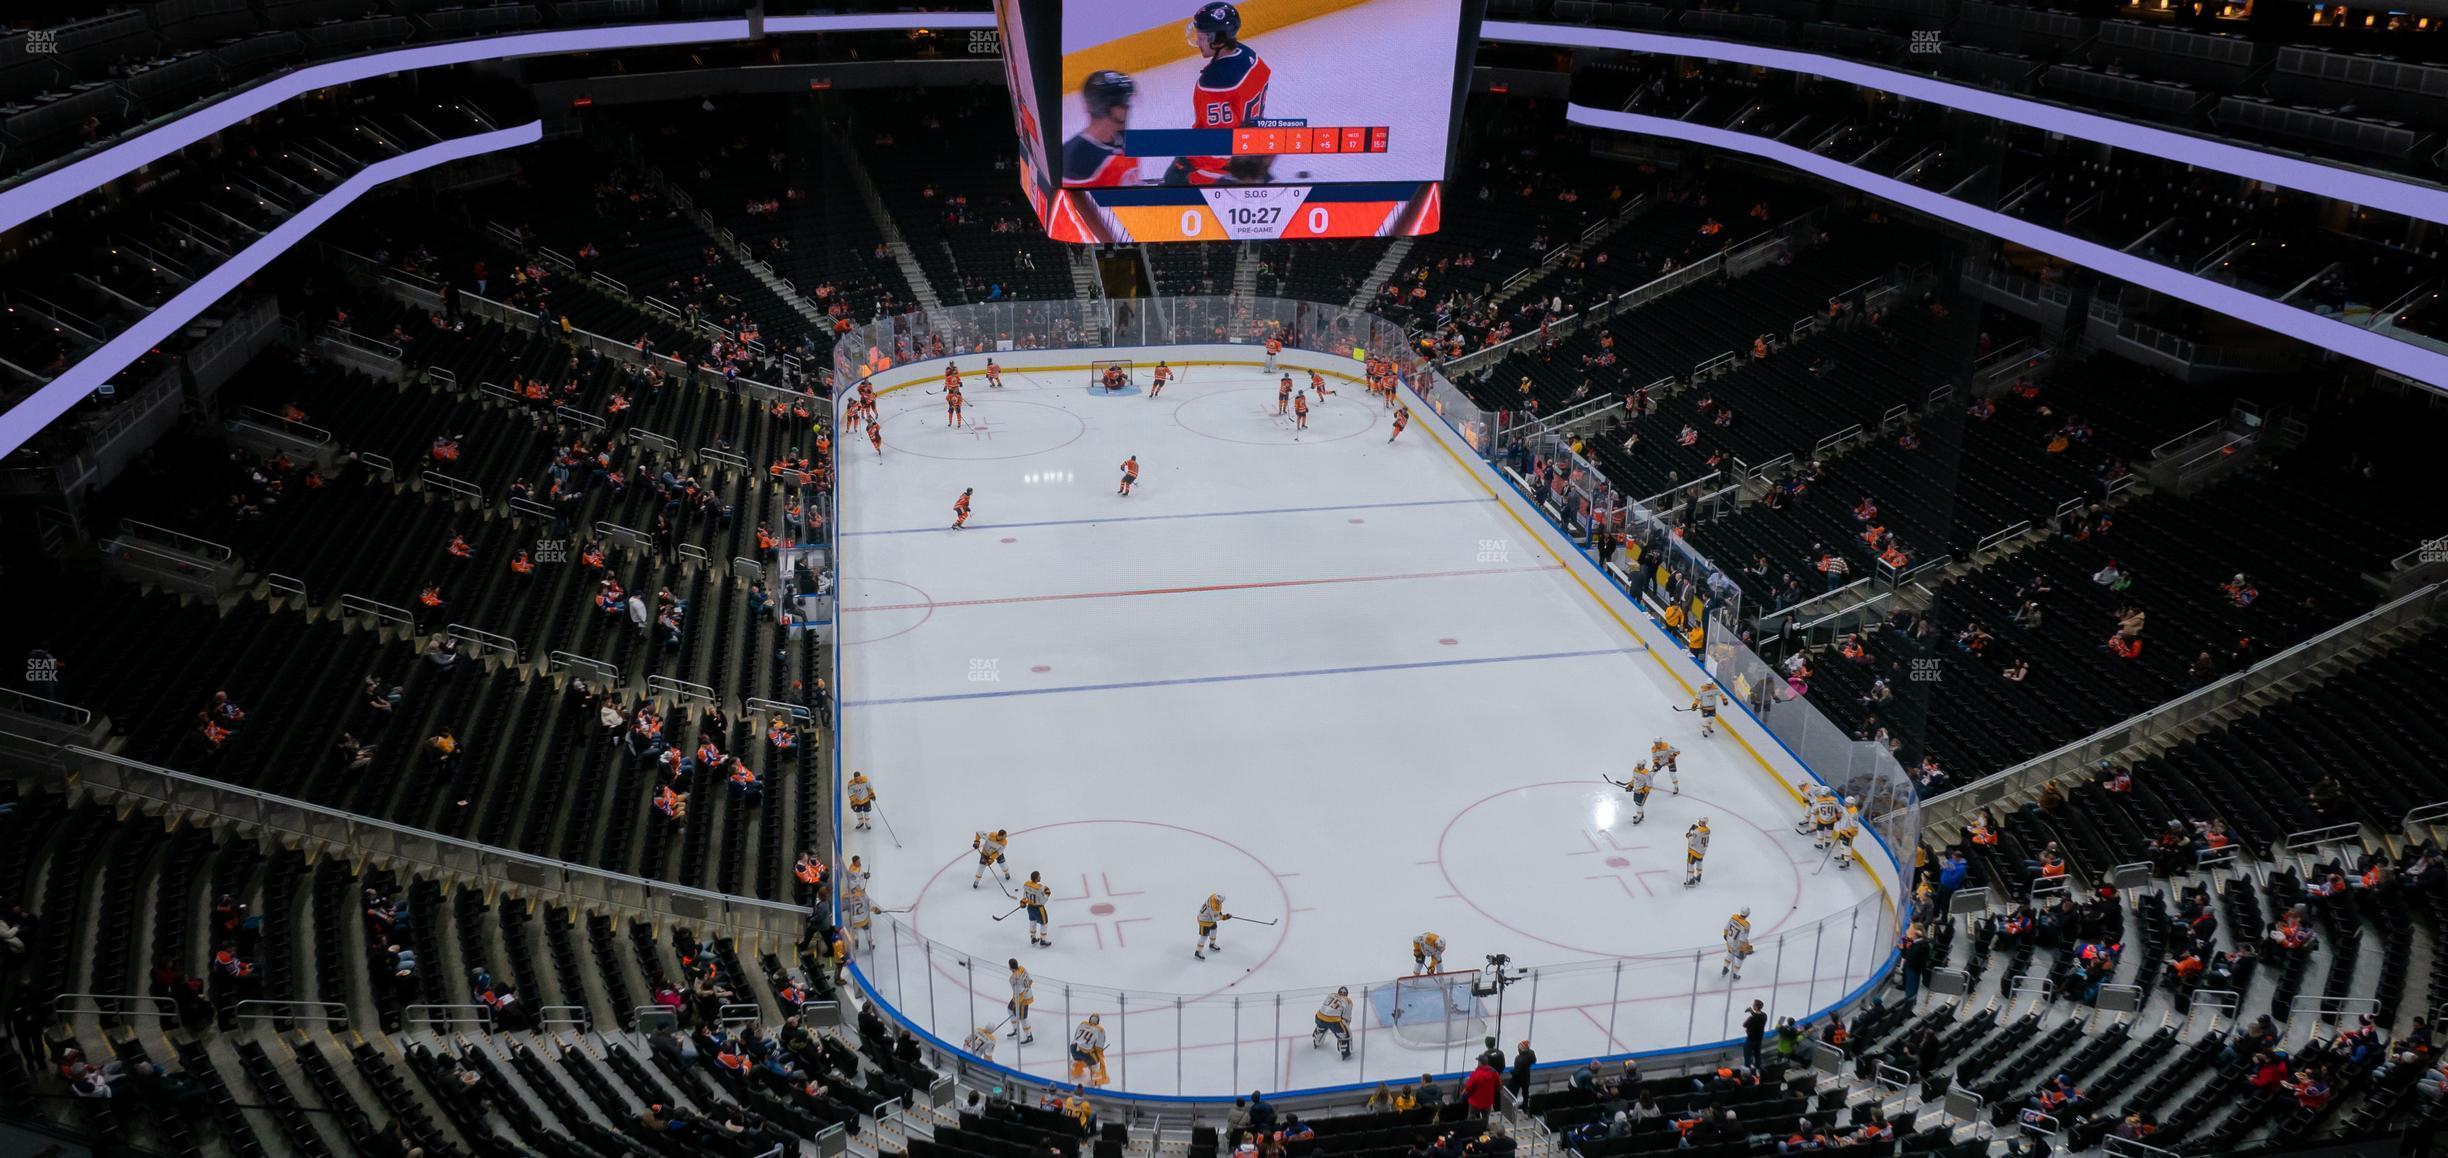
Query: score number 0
[(1194, 221)]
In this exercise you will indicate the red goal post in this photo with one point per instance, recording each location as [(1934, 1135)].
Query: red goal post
[(1433, 1010)]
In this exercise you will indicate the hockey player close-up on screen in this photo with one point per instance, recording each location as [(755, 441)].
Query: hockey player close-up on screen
[(1231, 92), (1093, 156)]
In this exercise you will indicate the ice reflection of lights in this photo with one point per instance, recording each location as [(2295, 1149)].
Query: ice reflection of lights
[(1045, 478), (1603, 816)]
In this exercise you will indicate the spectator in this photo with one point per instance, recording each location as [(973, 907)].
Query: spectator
[(1524, 1061), (1479, 1089), (1429, 1095), (1788, 1039), (1916, 964), (1261, 1115), (1755, 1030)]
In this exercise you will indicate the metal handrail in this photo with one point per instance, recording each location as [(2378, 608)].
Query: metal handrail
[(2301, 843), (162, 1006), (84, 717), (165, 566), (2433, 813), (268, 1009), (564, 659), (466, 490), (428, 1016), (1788, 611), (483, 640), (1830, 617), (382, 612), (350, 338), (2205, 428), (179, 540), (761, 704), (681, 689), (2000, 538)]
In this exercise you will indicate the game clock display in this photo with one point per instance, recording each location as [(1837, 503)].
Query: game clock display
[(1236, 120)]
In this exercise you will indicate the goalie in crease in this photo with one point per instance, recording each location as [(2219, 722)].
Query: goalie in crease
[(1088, 1052)]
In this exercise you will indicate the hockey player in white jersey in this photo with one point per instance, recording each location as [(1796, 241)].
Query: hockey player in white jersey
[(1334, 1016), (1088, 1051), (1023, 995), (1825, 812), (1033, 897), (1706, 702), (1662, 756), (1638, 786), (990, 846), (1211, 913), (1737, 942), (1846, 830), (1695, 850), (857, 915), (980, 1043)]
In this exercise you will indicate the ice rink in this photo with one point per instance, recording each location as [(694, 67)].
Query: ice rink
[(1341, 682)]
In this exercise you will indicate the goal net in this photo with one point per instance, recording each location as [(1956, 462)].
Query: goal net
[(1096, 373), (1433, 1010)]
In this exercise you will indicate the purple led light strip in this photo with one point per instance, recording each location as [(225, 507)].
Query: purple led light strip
[(56, 396), (51, 190), (2370, 189), (2328, 333)]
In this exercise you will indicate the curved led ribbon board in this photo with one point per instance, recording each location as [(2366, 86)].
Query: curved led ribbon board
[(2395, 195), (2328, 333)]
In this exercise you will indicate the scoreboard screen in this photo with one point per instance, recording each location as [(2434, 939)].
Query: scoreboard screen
[(1236, 120)]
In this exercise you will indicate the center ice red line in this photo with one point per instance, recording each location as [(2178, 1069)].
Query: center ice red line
[(1204, 587)]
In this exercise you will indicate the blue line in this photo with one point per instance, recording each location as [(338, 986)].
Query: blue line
[(1263, 675), (1194, 515)]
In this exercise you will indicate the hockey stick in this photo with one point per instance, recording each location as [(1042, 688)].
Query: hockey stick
[(1251, 920), (1015, 909), (1682, 709), (888, 828), (1825, 858), (1617, 783)]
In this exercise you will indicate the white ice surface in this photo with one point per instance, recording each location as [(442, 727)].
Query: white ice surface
[(1332, 679)]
